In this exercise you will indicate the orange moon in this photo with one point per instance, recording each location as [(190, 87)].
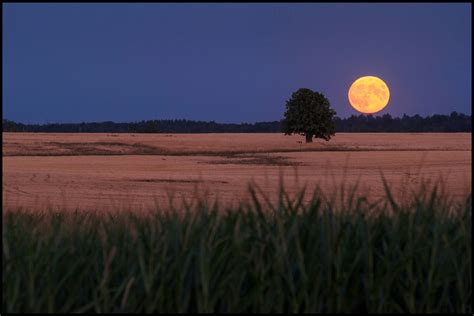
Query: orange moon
[(369, 94)]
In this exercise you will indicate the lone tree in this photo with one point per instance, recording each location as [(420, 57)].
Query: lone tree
[(309, 113)]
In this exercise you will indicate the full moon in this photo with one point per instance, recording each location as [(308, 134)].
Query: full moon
[(369, 94)]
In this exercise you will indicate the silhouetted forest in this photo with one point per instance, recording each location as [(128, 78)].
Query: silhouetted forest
[(455, 122)]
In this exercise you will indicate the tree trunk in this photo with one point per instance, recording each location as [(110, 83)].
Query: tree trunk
[(309, 138)]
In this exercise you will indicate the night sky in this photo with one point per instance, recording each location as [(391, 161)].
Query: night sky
[(228, 62)]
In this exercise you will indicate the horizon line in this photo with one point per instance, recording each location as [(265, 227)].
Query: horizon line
[(213, 121)]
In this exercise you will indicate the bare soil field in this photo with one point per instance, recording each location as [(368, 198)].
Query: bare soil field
[(140, 171)]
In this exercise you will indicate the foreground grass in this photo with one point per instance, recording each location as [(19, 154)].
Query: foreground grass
[(288, 257)]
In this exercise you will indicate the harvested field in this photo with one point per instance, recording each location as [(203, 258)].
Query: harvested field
[(140, 171)]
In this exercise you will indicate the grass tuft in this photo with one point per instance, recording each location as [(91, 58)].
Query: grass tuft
[(294, 256)]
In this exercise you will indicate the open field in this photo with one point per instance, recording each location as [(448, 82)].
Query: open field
[(116, 171)]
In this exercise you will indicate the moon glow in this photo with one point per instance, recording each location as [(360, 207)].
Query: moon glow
[(368, 94)]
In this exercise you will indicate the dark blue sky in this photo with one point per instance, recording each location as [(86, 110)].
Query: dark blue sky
[(228, 62)]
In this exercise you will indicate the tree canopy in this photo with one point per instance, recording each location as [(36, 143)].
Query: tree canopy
[(309, 113)]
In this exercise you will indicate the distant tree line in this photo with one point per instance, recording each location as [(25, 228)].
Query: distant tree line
[(455, 122)]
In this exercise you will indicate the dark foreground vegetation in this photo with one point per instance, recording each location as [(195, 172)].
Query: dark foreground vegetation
[(454, 122), (321, 256)]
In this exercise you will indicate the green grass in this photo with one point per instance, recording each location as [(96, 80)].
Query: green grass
[(294, 256)]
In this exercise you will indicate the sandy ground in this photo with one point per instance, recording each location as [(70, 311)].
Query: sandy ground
[(140, 171)]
